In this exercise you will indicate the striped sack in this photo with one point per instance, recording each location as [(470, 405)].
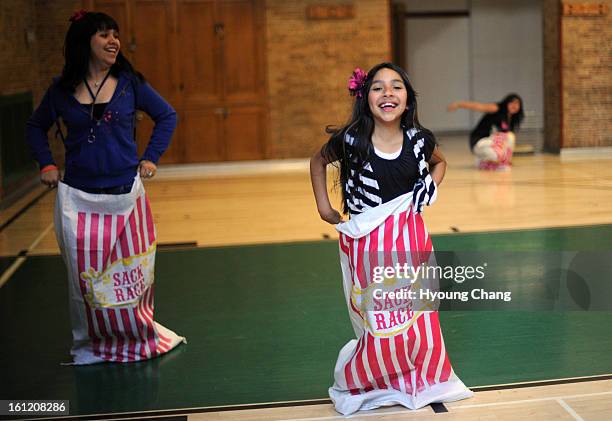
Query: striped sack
[(108, 245), (399, 355)]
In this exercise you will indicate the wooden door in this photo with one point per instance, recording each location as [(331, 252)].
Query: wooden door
[(151, 45), (201, 80), (206, 57), (222, 79), (244, 78)]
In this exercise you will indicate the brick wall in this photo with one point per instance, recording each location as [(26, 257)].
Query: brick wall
[(586, 78), (309, 63)]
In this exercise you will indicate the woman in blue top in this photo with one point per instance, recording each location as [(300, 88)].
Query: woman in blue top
[(96, 96), (103, 220)]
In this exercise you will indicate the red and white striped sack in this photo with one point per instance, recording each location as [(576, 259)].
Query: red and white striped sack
[(398, 356), (108, 243)]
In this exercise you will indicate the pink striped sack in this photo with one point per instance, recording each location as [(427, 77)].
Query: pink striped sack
[(108, 245), (399, 355)]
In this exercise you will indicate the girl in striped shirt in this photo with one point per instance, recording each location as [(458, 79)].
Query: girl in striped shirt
[(390, 166)]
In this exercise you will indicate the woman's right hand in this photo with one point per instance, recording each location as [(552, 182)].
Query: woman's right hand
[(50, 178), (331, 216)]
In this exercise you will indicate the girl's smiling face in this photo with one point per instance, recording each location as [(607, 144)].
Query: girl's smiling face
[(387, 96), (105, 46)]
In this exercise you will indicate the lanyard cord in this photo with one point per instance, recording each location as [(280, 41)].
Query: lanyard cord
[(94, 97)]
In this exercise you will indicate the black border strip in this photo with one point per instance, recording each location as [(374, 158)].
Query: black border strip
[(438, 407), (446, 14), (187, 411), (24, 209), (178, 245), (541, 383)]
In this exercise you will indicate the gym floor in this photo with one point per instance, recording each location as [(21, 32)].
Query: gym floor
[(250, 275)]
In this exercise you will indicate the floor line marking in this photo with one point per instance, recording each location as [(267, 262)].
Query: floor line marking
[(24, 209), (535, 383), (570, 410), (6, 275)]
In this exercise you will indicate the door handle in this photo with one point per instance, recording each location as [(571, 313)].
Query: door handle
[(219, 30), (222, 111)]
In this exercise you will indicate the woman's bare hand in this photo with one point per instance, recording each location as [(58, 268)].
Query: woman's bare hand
[(50, 178)]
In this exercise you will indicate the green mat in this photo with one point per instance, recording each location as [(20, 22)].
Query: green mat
[(265, 323)]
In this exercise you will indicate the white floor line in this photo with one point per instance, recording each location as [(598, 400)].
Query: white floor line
[(21, 259), (570, 410), (11, 270)]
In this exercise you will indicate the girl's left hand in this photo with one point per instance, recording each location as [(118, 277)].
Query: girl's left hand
[(147, 169)]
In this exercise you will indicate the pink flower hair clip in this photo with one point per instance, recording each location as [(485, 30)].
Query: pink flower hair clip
[(357, 82), (78, 15)]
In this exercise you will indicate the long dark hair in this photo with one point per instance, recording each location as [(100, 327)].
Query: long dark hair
[(361, 126), (516, 119), (77, 50)]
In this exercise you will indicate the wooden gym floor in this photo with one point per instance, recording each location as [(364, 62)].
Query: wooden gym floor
[(266, 203), (267, 209)]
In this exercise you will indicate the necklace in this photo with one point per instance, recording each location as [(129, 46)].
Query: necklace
[(92, 137), (97, 83)]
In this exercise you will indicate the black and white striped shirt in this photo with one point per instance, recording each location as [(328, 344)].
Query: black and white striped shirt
[(386, 176)]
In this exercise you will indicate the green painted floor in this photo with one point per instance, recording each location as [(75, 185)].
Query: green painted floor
[(265, 323)]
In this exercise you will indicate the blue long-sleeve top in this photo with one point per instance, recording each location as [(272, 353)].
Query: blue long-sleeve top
[(111, 159)]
